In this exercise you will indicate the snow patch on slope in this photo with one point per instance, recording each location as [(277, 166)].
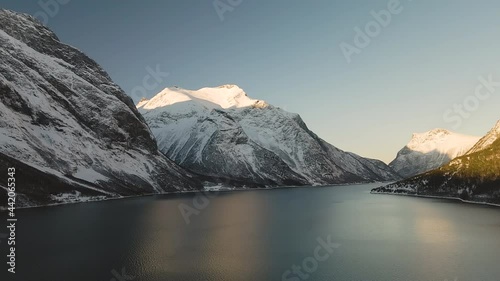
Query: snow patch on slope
[(226, 96)]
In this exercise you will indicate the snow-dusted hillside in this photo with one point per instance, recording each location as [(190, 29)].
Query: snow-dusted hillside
[(222, 133), (487, 140), (72, 134), (431, 150), (474, 176)]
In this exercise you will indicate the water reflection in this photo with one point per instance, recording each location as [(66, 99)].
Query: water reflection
[(257, 235), (223, 240), (432, 225), (439, 239), (236, 248)]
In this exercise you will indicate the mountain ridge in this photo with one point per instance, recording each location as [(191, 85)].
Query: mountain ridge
[(487, 140), (474, 176), (224, 124), (430, 150), (64, 120)]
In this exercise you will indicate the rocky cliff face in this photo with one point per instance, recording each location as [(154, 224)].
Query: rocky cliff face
[(221, 132), (72, 134)]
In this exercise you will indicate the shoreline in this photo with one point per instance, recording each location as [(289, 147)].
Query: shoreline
[(189, 192), (439, 197)]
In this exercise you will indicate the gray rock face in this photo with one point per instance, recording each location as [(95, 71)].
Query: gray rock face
[(221, 132), (71, 132)]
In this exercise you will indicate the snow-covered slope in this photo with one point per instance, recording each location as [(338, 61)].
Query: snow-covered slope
[(221, 132), (487, 140), (474, 176), (72, 134), (431, 150)]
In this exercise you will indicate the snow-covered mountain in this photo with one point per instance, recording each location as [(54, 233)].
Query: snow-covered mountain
[(70, 132), (430, 150), (474, 176), (222, 133)]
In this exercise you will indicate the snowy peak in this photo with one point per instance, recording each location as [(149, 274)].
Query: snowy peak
[(432, 134), (435, 135), (472, 177), (224, 97), (431, 150), (442, 141), (221, 133), (142, 102), (487, 140), (228, 86)]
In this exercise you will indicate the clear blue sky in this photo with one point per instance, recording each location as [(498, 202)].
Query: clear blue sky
[(287, 52)]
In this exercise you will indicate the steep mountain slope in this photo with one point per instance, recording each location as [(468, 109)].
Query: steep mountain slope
[(221, 132), (431, 150), (487, 140), (72, 134), (474, 176)]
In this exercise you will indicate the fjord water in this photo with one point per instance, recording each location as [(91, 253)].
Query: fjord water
[(258, 235)]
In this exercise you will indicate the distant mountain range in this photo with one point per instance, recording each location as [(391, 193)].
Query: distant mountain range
[(474, 176), (431, 150), (74, 136), (222, 133)]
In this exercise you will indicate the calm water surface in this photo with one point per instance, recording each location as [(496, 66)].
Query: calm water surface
[(258, 235)]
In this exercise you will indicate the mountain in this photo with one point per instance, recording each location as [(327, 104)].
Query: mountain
[(224, 134), (431, 150), (487, 140), (474, 176), (70, 132)]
